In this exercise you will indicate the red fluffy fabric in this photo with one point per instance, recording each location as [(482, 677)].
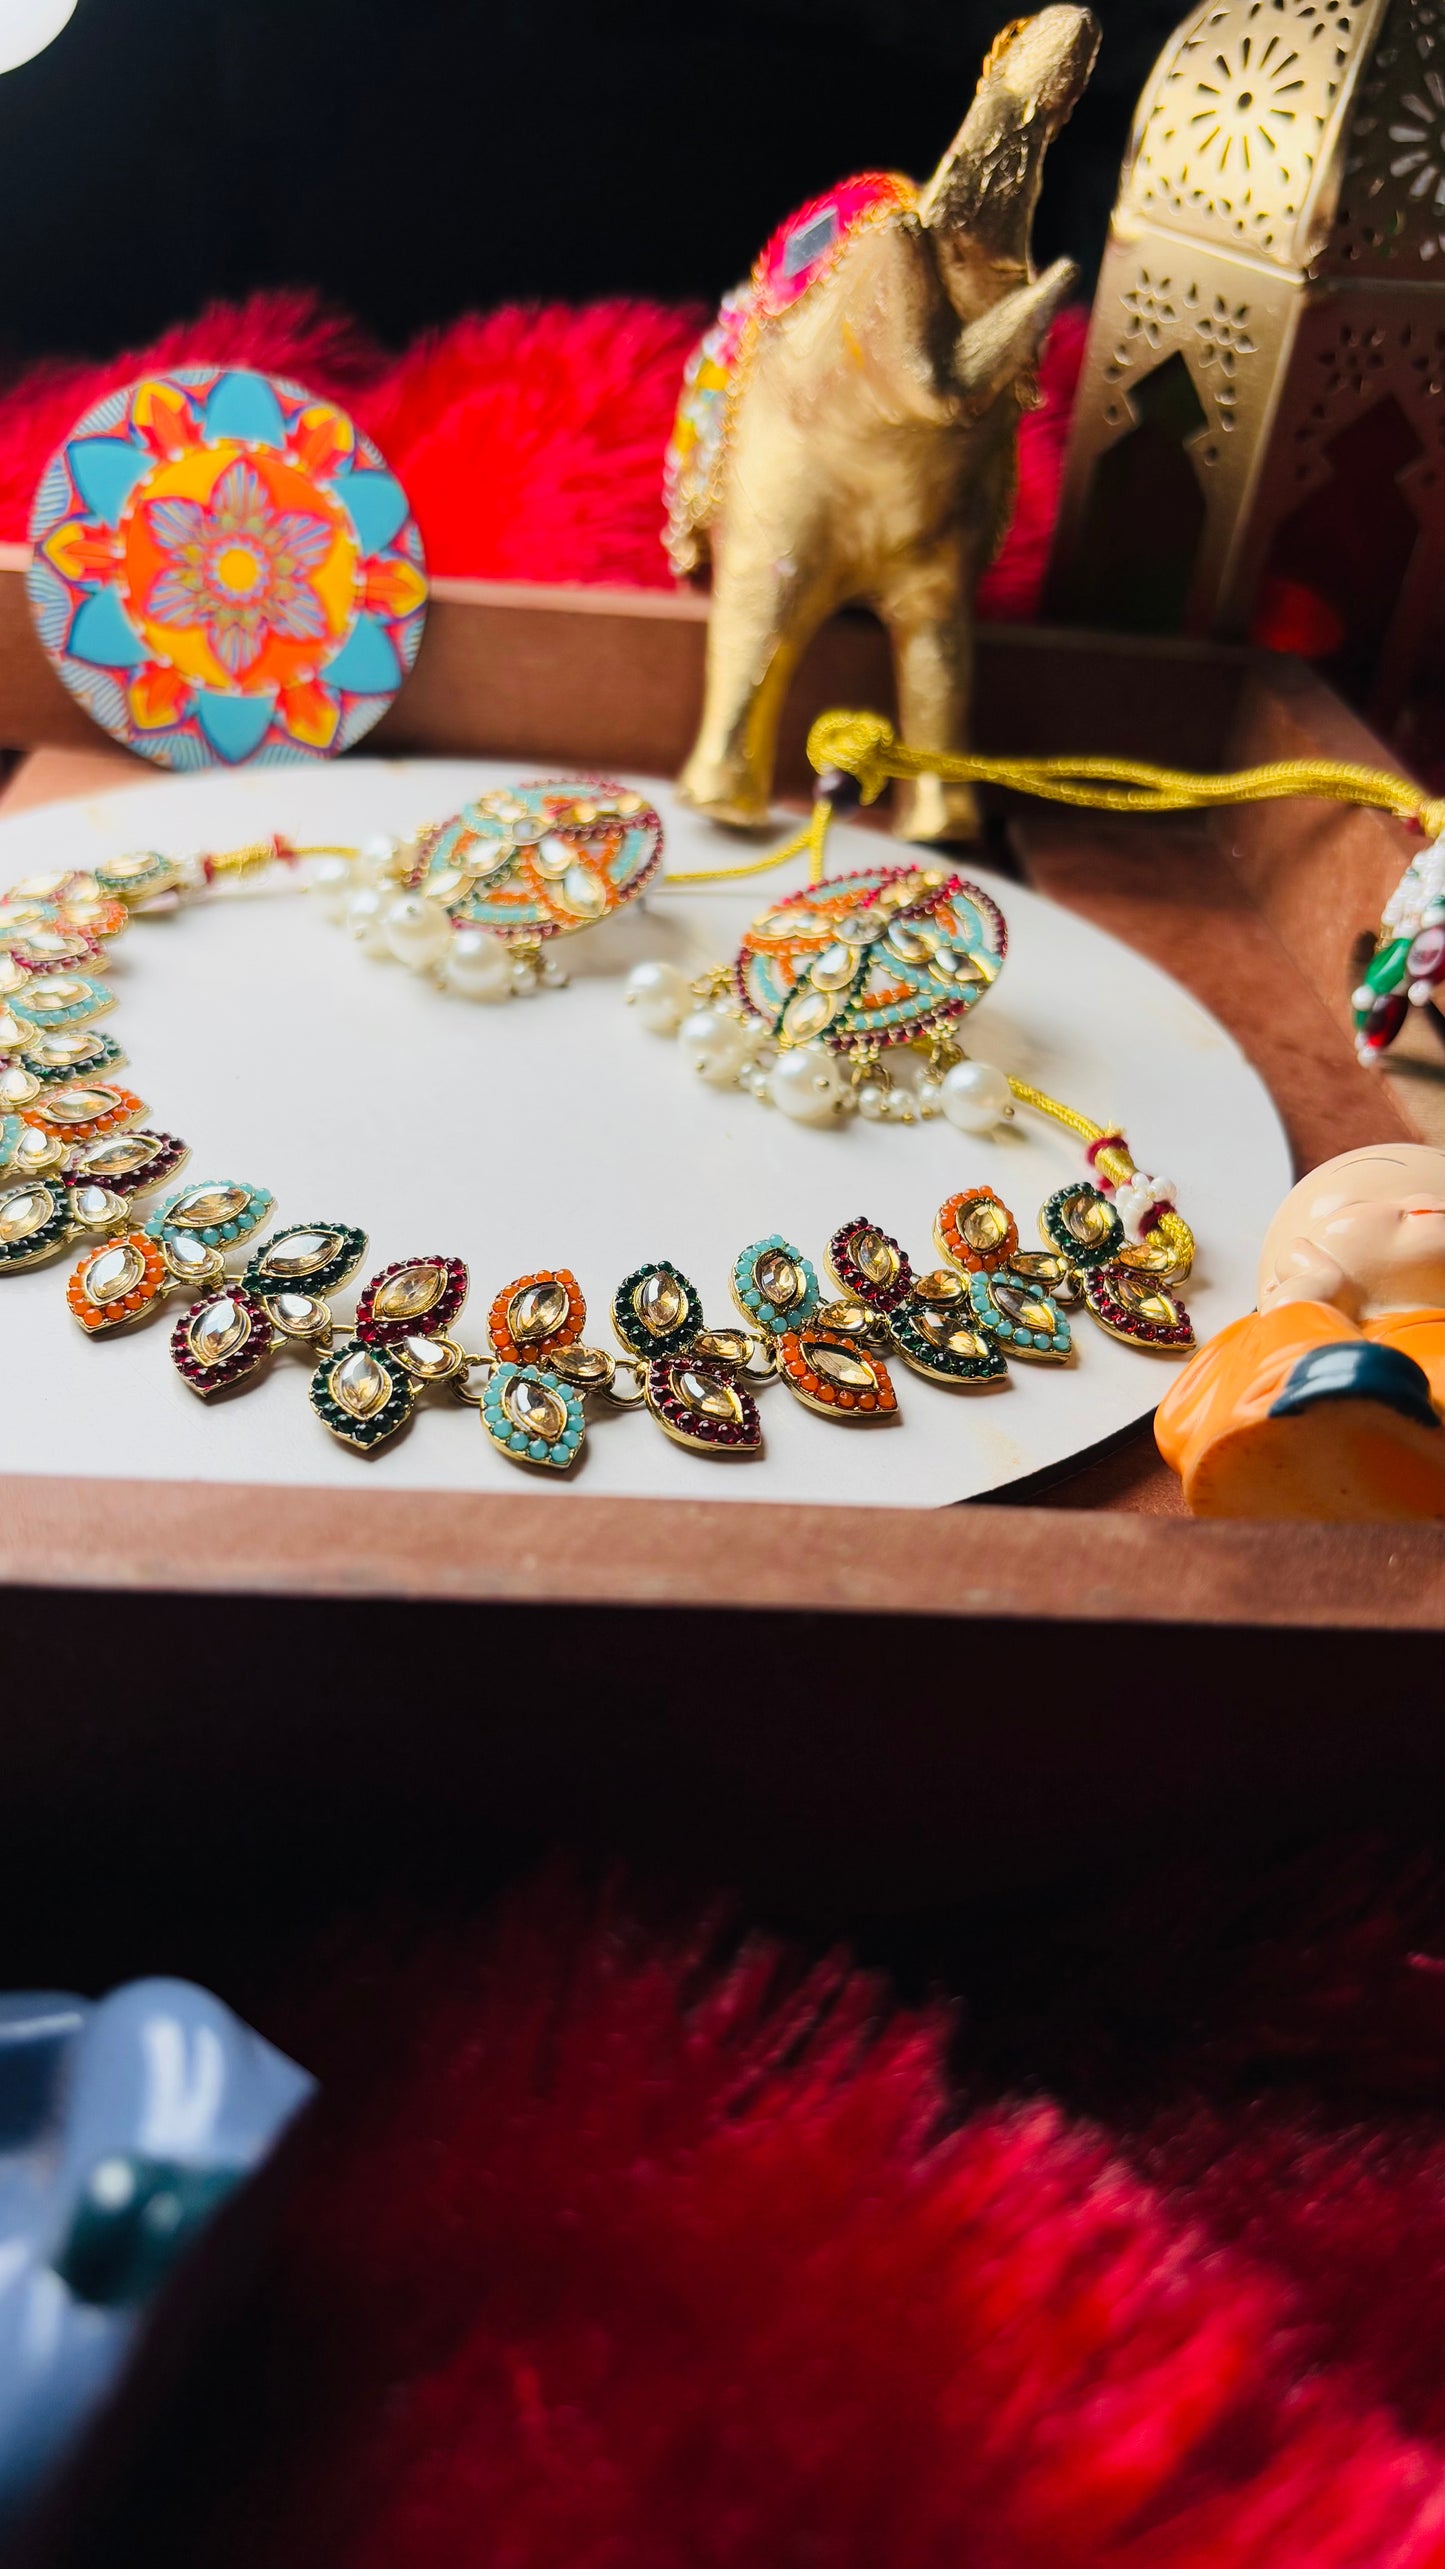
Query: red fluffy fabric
[(530, 442), (612, 2258)]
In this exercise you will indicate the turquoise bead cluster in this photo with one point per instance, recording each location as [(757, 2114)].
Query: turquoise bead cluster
[(754, 1301), (161, 873), (13, 1129), (503, 1430), (1054, 1341), (258, 1209), (96, 997)]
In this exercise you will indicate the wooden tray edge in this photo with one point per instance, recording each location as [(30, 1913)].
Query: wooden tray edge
[(525, 1548)]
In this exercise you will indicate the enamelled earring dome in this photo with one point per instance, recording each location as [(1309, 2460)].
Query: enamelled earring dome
[(832, 981), (478, 900), (224, 570)]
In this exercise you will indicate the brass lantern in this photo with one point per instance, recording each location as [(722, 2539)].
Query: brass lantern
[(1260, 411)]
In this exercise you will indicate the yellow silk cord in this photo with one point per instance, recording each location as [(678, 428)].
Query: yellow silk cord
[(865, 746), (810, 841)]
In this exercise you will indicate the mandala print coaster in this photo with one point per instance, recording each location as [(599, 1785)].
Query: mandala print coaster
[(225, 572)]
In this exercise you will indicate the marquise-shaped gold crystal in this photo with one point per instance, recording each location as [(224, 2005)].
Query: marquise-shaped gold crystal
[(359, 1385), (113, 1273), (116, 1154), (660, 1304), (840, 1365), (1087, 1217), (300, 1253), (780, 1280), (536, 1312), (218, 1330), (950, 1335), (79, 1105), (205, 1208), (409, 1293), (1024, 1308), (22, 1215), (535, 1408), (875, 1257), (64, 1046)]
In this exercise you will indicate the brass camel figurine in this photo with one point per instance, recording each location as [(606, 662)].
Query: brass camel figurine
[(848, 432)]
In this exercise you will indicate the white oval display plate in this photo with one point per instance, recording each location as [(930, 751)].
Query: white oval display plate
[(554, 1131)]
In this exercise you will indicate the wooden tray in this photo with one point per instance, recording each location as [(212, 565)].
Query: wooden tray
[(830, 1707)]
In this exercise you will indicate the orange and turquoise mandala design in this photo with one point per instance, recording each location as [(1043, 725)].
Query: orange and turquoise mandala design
[(225, 573)]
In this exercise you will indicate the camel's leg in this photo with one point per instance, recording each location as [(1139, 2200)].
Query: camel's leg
[(928, 610), (764, 614)]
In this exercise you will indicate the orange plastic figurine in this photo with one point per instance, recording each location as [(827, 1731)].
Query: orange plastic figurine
[(1326, 1401)]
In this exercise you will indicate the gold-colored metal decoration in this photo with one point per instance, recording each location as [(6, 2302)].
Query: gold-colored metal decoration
[(1264, 367), (848, 432)]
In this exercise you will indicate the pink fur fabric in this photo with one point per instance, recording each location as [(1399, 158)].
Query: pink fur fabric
[(530, 440)]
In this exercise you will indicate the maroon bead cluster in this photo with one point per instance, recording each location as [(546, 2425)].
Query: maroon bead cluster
[(744, 1434), (167, 1155), (851, 1277), (76, 958), (1110, 1305), (438, 1315), (254, 1347)]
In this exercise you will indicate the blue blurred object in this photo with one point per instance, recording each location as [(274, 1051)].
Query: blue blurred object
[(124, 2125)]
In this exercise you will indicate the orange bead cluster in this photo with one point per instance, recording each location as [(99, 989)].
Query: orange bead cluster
[(792, 1356), (109, 1315), (536, 1350), (950, 1237), (127, 1109)]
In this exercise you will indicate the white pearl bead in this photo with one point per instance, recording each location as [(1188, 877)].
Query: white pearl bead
[(902, 1108), (332, 881), (476, 966), (873, 1101), (975, 1095), (366, 918), (807, 1085), (714, 1045), (659, 993), (417, 931), (525, 975), (373, 858), (554, 973)]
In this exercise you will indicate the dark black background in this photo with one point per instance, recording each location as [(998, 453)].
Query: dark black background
[(414, 159)]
